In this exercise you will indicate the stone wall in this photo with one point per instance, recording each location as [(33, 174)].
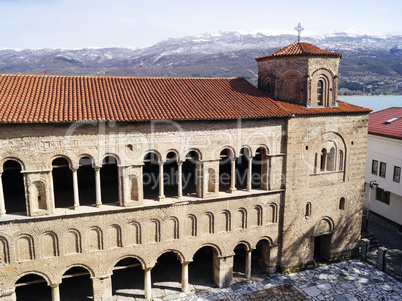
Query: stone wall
[(322, 189)]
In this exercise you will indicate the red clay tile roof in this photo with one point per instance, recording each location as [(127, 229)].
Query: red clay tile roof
[(378, 124), (342, 108), (300, 49), (57, 98)]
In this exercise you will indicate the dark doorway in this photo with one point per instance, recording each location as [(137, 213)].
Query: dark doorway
[(260, 259), (13, 188), (239, 262), (32, 287), (86, 182), (76, 285), (170, 171), (150, 176), (201, 268), (322, 247), (242, 169), (62, 183), (128, 279), (109, 180), (225, 167), (189, 174), (259, 169), (166, 275)]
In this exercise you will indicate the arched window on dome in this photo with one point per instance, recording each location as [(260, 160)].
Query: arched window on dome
[(320, 92)]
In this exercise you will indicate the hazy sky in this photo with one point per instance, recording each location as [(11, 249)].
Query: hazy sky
[(115, 23)]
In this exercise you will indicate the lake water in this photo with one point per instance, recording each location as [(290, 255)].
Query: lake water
[(375, 103)]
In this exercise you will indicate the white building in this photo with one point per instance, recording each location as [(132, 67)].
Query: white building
[(384, 162)]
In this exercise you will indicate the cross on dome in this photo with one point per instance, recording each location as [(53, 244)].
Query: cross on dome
[(299, 30)]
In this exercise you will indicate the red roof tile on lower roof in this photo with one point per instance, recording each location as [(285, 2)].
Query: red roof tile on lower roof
[(57, 98), (378, 125)]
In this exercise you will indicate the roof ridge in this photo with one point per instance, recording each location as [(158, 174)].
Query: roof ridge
[(117, 76)]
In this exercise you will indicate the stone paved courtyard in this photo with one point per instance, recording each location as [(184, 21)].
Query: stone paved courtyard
[(345, 281)]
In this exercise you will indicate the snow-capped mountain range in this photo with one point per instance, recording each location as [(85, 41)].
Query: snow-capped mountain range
[(229, 53)]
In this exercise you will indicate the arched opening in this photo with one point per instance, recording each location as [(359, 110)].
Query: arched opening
[(32, 287), (342, 204), (170, 173), (189, 177), (128, 279), (340, 160), (62, 183), (166, 275), (76, 285), (323, 164), (320, 92), (239, 262), (259, 171), (86, 182), (260, 258), (225, 168), (150, 176), (109, 180), (13, 187), (242, 169), (308, 210), (201, 269), (331, 159)]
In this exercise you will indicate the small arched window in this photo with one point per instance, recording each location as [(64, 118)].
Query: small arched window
[(320, 88), (342, 204), (340, 160), (323, 159), (308, 209)]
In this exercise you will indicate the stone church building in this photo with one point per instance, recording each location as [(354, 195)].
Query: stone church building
[(104, 175)]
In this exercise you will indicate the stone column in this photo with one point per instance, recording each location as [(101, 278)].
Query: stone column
[(223, 270), (147, 284), (98, 187), (232, 175), (247, 271), (184, 277), (2, 204), (179, 180), (249, 174), (75, 188), (55, 291), (161, 188), (102, 288)]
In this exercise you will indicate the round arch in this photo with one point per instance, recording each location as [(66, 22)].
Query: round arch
[(19, 161), (175, 152), (77, 265), (231, 151), (34, 272), (84, 156), (154, 151), (324, 226), (120, 258), (113, 155), (212, 245), (242, 242), (179, 253), (196, 150), (62, 156)]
